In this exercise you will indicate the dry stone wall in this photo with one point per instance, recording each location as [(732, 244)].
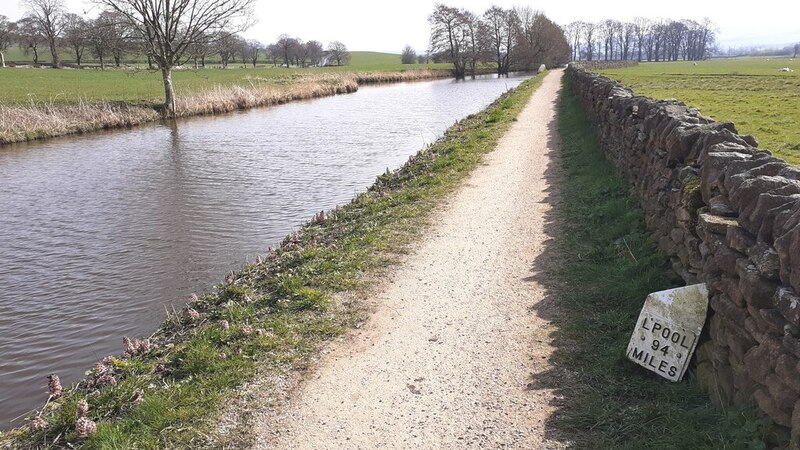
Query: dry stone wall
[(727, 214), (599, 65)]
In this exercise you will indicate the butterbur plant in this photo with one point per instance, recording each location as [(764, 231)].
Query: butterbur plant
[(192, 314), (130, 347), (54, 385), (85, 427), (37, 424), (83, 408)]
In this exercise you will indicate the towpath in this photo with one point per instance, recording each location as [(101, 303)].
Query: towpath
[(448, 357)]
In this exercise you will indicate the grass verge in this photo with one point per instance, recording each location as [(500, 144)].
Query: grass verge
[(612, 265), (166, 391)]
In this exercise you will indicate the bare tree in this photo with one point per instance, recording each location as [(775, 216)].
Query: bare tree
[(101, 39), (608, 29), (287, 45), (274, 53), (626, 34), (339, 53), (299, 53), (408, 56), (589, 35), (170, 27), (30, 37), (499, 34), (474, 30), (641, 28), (450, 37), (254, 48), (7, 29), (76, 35), (225, 45), (117, 35), (540, 40), (314, 52), (573, 32), (49, 15), (200, 50)]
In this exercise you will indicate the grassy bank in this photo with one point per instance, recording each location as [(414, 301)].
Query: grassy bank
[(751, 92), (609, 267), (25, 121), (273, 315)]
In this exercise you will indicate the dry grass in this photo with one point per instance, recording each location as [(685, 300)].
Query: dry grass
[(30, 121)]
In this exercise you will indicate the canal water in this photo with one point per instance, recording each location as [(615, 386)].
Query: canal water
[(99, 232)]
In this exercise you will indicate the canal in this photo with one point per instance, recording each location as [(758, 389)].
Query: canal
[(99, 233)]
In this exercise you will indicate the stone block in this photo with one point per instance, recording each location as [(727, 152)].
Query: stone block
[(788, 248), (774, 320), (757, 290), (739, 239), (738, 339), (791, 344), (766, 260), (725, 260), (786, 370), (767, 404), (713, 169), (719, 206), (788, 303), (715, 224), (722, 305), (761, 213), (783, 396), (794, 442)]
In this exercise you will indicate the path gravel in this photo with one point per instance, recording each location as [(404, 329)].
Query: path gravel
[(447, 358)]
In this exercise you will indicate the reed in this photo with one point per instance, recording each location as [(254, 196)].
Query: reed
[(32, 121)]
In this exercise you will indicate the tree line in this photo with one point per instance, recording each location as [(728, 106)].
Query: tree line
[(641, 40), (519, 38), (47, 28)]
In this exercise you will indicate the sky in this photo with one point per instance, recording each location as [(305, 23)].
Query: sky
[(388, 26)]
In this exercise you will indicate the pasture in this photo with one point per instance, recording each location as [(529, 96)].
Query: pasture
[(140, 86), (751, 92)]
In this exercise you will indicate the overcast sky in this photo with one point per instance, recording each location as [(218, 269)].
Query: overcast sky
[(388, 26)]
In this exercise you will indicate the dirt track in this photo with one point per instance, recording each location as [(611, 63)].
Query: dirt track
[(446, 360)]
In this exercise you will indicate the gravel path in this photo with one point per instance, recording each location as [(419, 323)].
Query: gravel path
[(447, 358)]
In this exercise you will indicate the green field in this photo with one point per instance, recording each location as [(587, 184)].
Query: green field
[(143, 86), (750, 92)]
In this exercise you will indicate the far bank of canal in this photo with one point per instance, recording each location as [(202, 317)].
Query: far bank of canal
[(100, 232)]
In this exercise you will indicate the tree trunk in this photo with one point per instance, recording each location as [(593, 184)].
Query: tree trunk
[(2, 60), (102, 64), (35, 55), (149, 62), (169, 93), (54, 53)]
